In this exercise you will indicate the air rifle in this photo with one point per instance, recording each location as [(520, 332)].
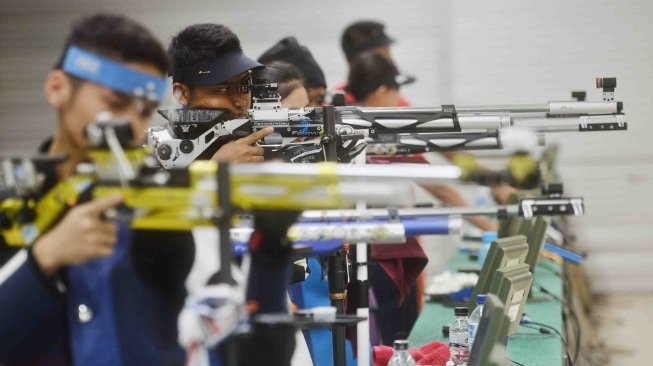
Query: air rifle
[(509, 123), (387, 131)]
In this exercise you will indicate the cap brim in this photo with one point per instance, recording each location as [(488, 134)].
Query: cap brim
[(381, 40), (217, 70), (403, 79), (384, 40), (239, 64)]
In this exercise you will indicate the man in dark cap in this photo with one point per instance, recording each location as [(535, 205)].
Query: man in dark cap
[(210, 70), (290, 51), (368, 37), (365, 36), (374, 81)]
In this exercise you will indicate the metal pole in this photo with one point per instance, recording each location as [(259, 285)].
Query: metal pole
[(528, 207), (329, 139), (337, 276), (544, 107), (229, 349), (567, 107), (362, 286), (224, 225), (405, 213)]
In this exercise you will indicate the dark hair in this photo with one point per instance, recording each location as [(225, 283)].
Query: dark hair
[(287, 76), (368, 72), (289, 50), (117, 38), (362, 36), (199, 42)]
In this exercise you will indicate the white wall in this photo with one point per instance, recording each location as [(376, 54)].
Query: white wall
[(530, 52), (464, 52)]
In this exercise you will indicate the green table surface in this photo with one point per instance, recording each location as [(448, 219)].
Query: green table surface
[(527, 346)]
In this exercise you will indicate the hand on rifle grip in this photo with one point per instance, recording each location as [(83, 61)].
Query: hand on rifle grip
[(244, 149)]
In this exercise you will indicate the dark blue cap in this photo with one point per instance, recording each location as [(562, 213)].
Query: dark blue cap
[(215, 70)]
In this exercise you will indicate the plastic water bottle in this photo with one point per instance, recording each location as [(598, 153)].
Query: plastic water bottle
[(401, 356), (458, 344), (488, 238), (475, 318)]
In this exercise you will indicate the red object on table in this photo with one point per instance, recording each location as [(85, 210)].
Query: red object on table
[(430, 354)]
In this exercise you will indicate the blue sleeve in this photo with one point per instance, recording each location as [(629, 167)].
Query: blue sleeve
[(27, 299)]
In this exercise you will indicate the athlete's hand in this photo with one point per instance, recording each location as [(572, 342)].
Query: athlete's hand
[(243, 149), (83, 234)]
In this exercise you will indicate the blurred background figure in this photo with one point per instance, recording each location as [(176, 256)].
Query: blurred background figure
[(365, 35), (289, 50), (313, 345), (369, 37), (397, 282), (373, 81), (290, 83)]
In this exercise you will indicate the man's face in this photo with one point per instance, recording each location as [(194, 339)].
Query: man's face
[(383, 52), (229, 95), (89, 99), (316, 96)]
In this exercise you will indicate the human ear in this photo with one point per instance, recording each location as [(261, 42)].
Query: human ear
[(57, 89), (181, 93)]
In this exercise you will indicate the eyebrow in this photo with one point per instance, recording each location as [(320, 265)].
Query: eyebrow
[(128, 99), (118, 95)]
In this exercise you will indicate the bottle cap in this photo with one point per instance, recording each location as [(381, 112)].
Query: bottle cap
[(401, 344), (461, 311), (480, 299)]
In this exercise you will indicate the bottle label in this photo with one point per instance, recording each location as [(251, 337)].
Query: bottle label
[(471, 330)]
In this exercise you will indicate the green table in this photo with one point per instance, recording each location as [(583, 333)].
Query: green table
[(527, 346)]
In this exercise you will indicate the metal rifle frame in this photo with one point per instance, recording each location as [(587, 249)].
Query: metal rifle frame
[(337, 263)]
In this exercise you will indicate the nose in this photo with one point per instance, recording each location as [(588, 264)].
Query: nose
[(131, 114)]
